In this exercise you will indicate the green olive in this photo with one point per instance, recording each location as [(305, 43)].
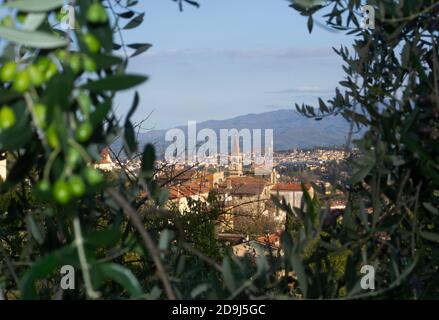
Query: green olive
[(36, 76), (7, 117), (40, 114), (61, 54), (43, 63), (8, 71), (84, 132), (93, 176), (22, 81), (96, 13), (93, 13), (52, 137), (73, 158), (75, 62), (92, 43), (61, 192), (89, 64), (77, 186), (84, 102), (52, 69)]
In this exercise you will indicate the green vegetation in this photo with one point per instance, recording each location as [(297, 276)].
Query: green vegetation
[(55, 209)]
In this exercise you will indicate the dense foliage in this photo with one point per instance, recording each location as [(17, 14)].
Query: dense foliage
[(391, 88), (57, 95)]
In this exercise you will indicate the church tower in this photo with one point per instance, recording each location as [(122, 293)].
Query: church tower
[(235, 159)]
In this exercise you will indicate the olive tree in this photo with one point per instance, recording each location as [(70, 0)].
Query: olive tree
[(391, 90), (57, 112)]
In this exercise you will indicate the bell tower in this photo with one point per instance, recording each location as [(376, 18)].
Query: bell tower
[(235, 159)]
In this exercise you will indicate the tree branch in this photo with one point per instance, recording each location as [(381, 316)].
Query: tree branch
[(147, 240)]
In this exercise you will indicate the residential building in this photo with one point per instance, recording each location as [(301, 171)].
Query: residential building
[(292, 193)]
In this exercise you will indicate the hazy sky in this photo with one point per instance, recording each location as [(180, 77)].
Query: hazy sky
[(229, 58)]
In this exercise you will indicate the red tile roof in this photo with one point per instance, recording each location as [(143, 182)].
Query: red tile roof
[(247, 185), (105, 157), (187, 190), (272, 240), (293, 186)]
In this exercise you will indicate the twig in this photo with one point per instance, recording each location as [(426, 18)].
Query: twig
[(149, 243), (411, 17), (118, 30), (79, 241)]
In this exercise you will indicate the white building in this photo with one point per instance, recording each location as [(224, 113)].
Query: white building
[(3, 169), (235, 159), (293, 194)]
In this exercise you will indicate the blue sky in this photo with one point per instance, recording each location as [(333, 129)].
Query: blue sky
[(229, 58)]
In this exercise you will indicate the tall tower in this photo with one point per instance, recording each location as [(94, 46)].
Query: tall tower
[(235, 159)]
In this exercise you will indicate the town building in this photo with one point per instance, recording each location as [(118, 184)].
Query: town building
[(180, 194), (106, 163), (292, 192), (293, 195), (3, 171), (236, 159)]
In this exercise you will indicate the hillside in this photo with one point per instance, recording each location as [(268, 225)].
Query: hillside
[(291, 130)]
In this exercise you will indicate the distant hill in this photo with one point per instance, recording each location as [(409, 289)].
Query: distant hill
[(290, 129)]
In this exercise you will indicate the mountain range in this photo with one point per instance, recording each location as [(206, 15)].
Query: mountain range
[(291, 130)]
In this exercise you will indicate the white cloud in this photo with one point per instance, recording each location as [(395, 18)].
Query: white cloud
[(241, 53), (301, 90)]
